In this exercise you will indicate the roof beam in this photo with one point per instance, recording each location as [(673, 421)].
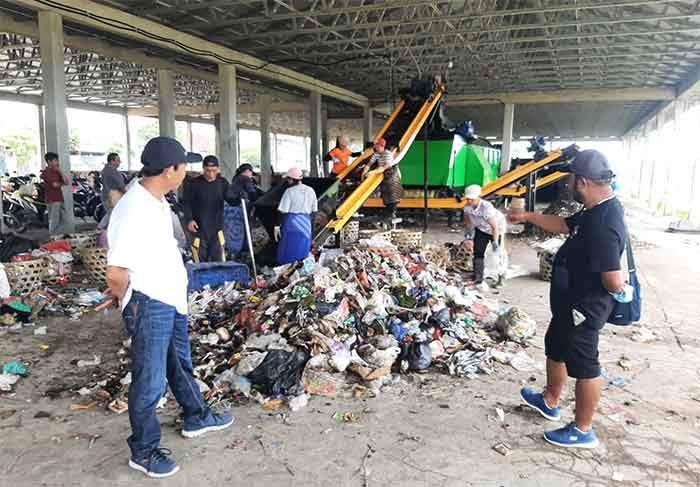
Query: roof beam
[(502, 28), (79, 105), (564, 96), (213, 108), (89, 13), (410, 4)]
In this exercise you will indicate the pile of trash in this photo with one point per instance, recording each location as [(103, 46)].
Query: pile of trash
[(562, 208), (354, 319)]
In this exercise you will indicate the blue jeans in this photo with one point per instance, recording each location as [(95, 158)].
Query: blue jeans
[(160, 349)]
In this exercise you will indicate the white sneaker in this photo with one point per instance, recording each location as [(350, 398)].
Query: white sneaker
[(483, 287)]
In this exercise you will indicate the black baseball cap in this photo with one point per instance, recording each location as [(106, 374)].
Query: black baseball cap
[(591, 164), (162, 152), (210, 161), (245, 167)]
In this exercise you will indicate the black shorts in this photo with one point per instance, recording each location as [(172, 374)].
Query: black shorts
[(576, 346)]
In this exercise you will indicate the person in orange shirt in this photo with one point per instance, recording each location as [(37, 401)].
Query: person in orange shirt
[(340, 155)]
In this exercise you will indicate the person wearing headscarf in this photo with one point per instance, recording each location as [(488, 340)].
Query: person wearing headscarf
[(242, 188), (340, 155), (383, 161), (297, 206)]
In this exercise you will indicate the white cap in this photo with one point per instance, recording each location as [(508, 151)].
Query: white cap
[(472, 192)]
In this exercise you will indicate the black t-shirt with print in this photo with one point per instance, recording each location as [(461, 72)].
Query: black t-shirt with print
[(597, 238)]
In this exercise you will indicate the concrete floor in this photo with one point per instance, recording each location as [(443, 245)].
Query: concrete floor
[(428, 430)]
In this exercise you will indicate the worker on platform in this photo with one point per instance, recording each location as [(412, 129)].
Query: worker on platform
[(340, 155), (203, 202), (586, 281), (242, 188), (383, 161), (54, 180), (297, 206), (147, 278), (485, 225)]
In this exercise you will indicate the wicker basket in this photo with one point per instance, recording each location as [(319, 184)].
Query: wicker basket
[(25, 277), (406, 240), (461, 258), (367, 234), (546, 264), (95, 262), (86, 240), (53, 274), (350, 233)]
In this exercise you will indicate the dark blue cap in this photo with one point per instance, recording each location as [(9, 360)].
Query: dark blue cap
[(210, 161), (162, 152), (591, 164)]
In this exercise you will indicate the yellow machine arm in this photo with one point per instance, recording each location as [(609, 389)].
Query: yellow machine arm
[(357, 198), (498, 187)]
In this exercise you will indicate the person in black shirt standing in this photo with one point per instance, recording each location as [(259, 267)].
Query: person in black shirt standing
[(203, 203), (586, 280)]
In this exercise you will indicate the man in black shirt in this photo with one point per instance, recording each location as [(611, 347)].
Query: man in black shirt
[(203, 203), (586, 279)]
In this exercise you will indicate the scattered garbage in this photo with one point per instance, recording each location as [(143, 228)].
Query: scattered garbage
[(644, 335), (352, 321), (516, 325), (90, 363), (503, 448), (15, 368)]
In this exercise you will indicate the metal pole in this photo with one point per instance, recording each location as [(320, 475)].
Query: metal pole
[(244, 207), (425, 176)]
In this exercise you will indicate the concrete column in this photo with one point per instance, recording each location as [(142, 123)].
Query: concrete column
[(166, 103), (128, 141), (324, 132), (54, 93), (190, 137), (217, 134), (228, 124), (42, 134), (367, 133), (265, 149), (508, 116), (316, 135)]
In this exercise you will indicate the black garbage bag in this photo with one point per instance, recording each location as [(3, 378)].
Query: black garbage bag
[(12, 245), (280, 372), (418, 355)]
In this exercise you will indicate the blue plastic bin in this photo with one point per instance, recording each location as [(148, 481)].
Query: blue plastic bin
[(215, 274)]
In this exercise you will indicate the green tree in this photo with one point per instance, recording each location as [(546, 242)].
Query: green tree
[(251, 156), (23, 146), (74, 141)]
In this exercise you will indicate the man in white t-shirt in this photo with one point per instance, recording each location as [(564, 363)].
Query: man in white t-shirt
[(145, 273)]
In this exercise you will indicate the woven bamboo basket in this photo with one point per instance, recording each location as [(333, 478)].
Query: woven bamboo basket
[(546, 264), (367, 234), (406, 240), (53, 274), (85, 240), (350, 233), (25, 277), (461, 258), (95, 262)]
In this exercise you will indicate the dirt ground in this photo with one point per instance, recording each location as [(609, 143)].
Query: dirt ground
[(427, 430)]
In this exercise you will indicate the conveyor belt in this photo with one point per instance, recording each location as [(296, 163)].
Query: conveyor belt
[(400, 131)]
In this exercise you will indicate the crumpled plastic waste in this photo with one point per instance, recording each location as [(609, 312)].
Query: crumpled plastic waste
[(15, 368), (7, 381), (351, 313), (468, 364), (96, 360), (514, 324)]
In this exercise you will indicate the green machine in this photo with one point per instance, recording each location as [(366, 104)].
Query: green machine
[(453, 164)]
